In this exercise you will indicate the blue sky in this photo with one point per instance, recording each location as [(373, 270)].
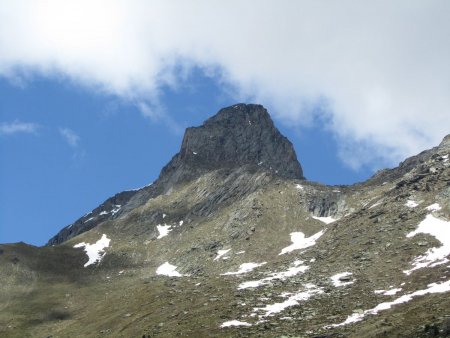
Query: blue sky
[(95, 95)]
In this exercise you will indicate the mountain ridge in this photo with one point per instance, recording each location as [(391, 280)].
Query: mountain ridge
[(242, 135), (243, 251)]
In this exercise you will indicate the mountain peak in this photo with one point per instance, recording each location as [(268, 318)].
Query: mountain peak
[(237, 136), (241, 136)]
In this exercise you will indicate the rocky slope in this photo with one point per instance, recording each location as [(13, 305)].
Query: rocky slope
[(232, 241)]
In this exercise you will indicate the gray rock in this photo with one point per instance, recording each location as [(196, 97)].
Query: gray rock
[(236, 136)]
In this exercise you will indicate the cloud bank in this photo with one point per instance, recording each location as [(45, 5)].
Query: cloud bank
[(375, 73)]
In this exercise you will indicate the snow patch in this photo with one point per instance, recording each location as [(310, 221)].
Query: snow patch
[(244, 268), (168, 269), (282, 275), (338, 279), (89, 219), (434, 207), (235, 323), (221, 253), (116, 209), (293, 299), (299, 241), (411, 204), (163, 230), (389, 292), (326, 220), (180, 223), (435, 256), (298, 186), (432, 288), (95, 251)]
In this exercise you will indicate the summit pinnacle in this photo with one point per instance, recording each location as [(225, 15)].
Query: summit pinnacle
[(239, 135)]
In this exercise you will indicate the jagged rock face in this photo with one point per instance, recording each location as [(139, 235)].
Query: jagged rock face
[(240, 137), (243, 134)]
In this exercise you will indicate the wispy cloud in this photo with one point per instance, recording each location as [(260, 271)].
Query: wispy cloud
[(156, 113), (382, 66), (15, 127), (69, 136)]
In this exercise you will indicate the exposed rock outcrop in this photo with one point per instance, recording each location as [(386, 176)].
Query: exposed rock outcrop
[(243, 134)]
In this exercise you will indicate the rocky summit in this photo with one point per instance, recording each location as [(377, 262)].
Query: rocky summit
[(242, 136), (232, 241)]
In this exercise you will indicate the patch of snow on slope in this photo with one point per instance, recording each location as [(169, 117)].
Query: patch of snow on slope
[(89, 219), (244, 268), (411, 204), (326, 220), (293, 299), (235, 323), (434, 207), (389, 292), (432, 288), (168, 269), (341, 280), (435, 256), (299, 241), (95, 251), (298, 186), (116, 209), (163, 230), (282, 275), (221, 253)]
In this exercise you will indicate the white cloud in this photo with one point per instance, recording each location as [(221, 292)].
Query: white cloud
[(69, 136), (378, 69), (10, 128)]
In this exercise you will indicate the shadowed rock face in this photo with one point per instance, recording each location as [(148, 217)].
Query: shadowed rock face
[(241, 137)]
